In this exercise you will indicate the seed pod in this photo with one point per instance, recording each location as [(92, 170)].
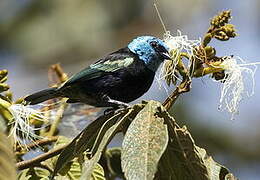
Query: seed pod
[(3, 74), (3, 87), (9, 95), (19, 101), (4, 109), (3, 79), (229, 29), (222, 36), (207, 39), (221, 19), (210, 52)]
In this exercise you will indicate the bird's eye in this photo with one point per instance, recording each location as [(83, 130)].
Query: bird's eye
[(153, 44)]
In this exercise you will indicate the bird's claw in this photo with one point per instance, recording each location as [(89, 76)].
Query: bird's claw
[(116, 110)]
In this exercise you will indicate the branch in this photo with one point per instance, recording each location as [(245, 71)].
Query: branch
[(37, 143), (182, 88), (37, 160)]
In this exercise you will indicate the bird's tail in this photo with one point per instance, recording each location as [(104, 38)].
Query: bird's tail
[(42, 96)]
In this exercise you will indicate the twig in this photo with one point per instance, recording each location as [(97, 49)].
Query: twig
[(37, 160), (57, 76), (58, 118), (36, 143), (182, 88)]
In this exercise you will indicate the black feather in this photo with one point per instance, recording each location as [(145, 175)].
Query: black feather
[(42, 96)]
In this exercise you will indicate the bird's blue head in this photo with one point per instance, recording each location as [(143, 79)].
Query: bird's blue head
[(151, 50)]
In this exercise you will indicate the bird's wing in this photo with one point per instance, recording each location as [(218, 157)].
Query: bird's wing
[(111, 63)]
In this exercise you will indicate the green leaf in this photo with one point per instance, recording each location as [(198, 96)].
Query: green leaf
[(80, 143), (71, 171), (111, 161), (7, 166), (2, 124), (144, 143), (90, 164), (91, 136), (182, 159), (215, 170), (98, 173), (24, 175)]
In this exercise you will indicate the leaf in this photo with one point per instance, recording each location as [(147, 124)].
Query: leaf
[(2, 124), (90, 164), (144, 143), (23, 175), (80, 143), (182, 159), (111, 161), (4, 109), (98, 173), (215, 170), (71, 171), (7, 166)]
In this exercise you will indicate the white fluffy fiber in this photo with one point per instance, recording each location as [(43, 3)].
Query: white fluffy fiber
[(238, 83)]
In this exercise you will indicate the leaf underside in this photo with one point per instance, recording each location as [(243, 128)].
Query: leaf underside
[(144, 143)]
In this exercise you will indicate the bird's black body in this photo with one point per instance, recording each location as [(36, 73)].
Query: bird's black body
[(119, 78), (125, 84)]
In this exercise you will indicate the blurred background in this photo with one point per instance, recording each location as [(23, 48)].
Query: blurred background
[(36, 34)]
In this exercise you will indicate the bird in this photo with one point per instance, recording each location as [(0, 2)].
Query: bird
[(114, 80)]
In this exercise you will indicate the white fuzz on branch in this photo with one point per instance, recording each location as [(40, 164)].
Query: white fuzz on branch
[(238, 83), (177, 45), (22, 131)]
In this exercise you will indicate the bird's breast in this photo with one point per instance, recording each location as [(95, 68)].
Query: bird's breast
[(131, 86)]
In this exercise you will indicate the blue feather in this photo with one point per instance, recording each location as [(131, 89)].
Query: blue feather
[(142, 47)]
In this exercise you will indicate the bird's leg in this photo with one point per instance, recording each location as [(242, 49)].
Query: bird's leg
[(118, 103), (109, 110), (114, 109), (114, 103)]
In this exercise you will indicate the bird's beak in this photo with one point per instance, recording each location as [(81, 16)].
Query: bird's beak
[(166, 55)]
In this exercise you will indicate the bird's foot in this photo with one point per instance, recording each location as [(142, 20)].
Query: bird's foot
[(116, 106), (109, 110), (115, 110), (114, 103)]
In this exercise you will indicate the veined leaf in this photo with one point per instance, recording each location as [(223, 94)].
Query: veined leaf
[(144, 143), (34, 174), (71, 171), (91, 137), (90, 164), (183, 160), (80, 143), (215, 170), (98, 173)]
